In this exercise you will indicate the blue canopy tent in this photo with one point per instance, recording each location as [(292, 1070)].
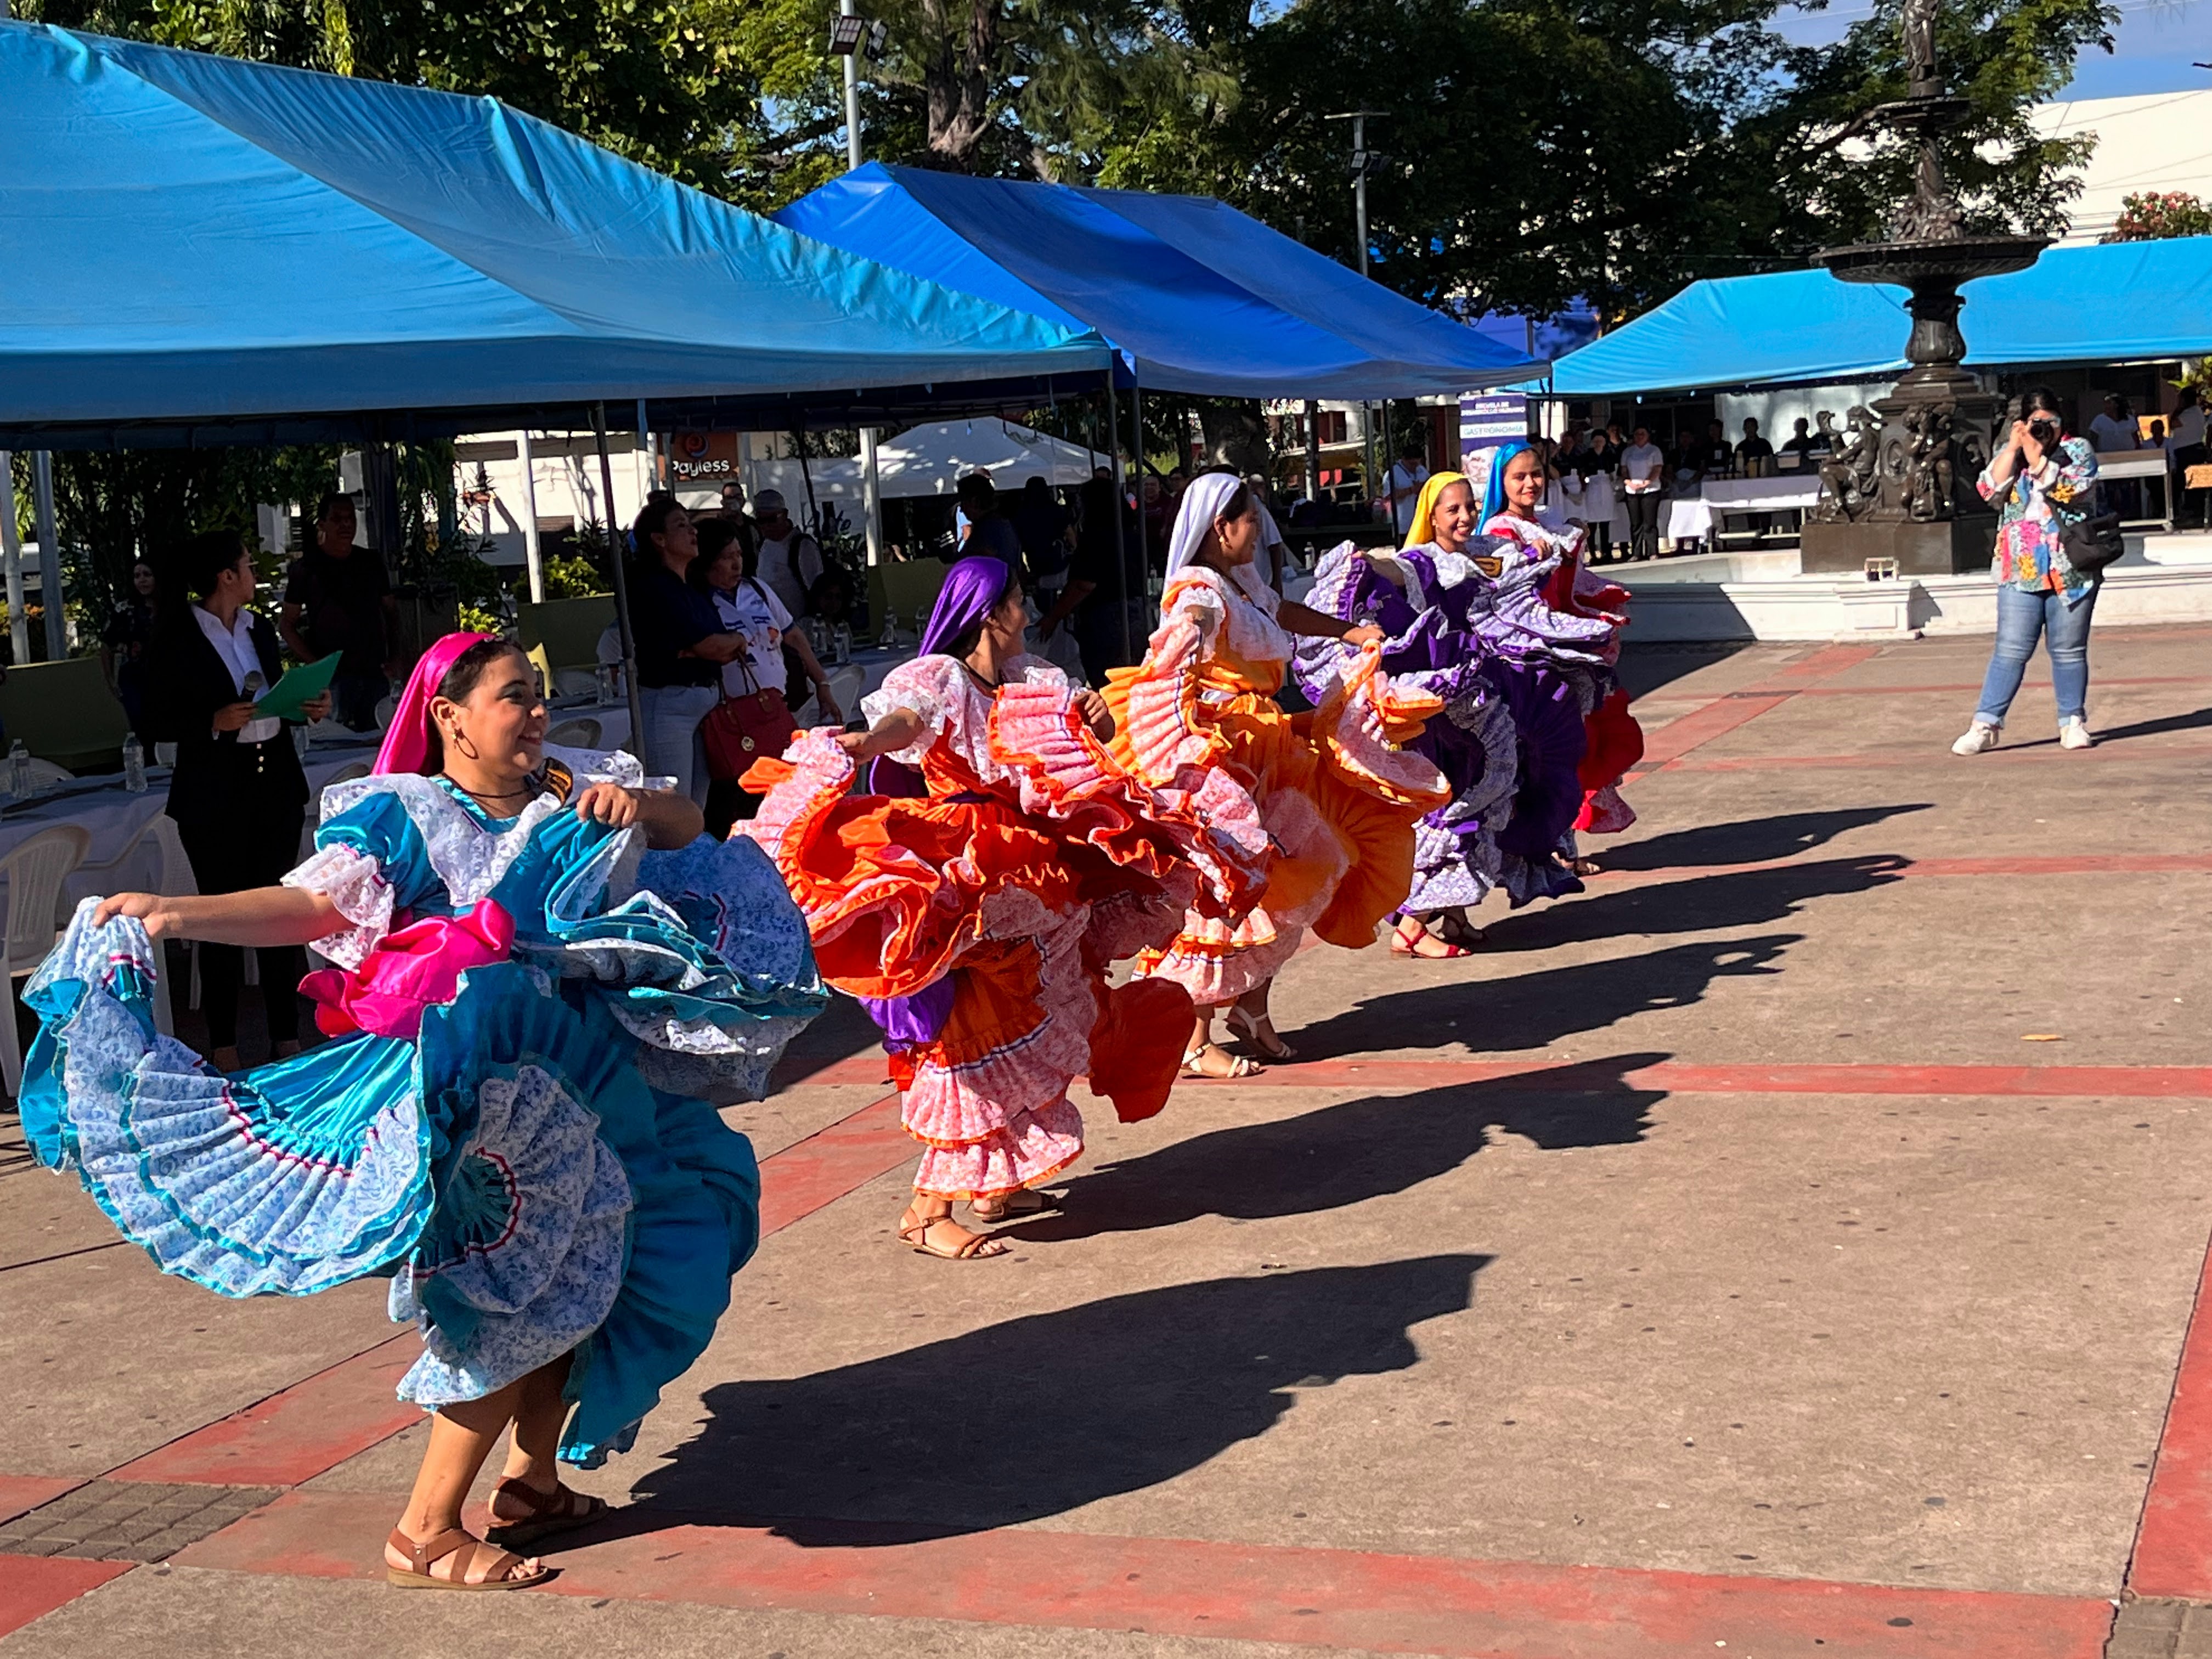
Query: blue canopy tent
[(2112, 302), (1198, 297), (203, 250)]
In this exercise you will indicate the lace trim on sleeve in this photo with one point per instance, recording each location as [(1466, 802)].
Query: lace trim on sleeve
[(934, 687), (351, 882)]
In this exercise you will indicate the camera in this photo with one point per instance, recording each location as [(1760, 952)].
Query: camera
[(2045, 429)]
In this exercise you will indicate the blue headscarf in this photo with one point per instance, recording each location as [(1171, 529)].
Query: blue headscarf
[(1493, 489)]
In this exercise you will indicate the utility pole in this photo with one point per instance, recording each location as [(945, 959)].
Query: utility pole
[(1362, 163), (845, 39)]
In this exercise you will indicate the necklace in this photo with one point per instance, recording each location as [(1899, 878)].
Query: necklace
[(528, 788), (976, 674)]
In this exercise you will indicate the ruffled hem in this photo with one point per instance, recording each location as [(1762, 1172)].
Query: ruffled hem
[(1033, 1148)]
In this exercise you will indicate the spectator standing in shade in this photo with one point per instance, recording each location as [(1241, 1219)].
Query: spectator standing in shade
[(1717, 460), (790, 561), (681, 648), (1599, 466), (1094, 603), (239, 794), (2113, 431), (1801, 444), (1042, 526), (1401, 488), (339, 599), (1754, 458), (122, 645), (2185, 448), (1642, 475), (991, 534)]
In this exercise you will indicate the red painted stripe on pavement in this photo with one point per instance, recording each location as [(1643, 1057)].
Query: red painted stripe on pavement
[(1886, 865), (32, 1586), (2173, 1542), (22, 1492), (1826, 663), (1170, 1587), (339, 1413), (828, 1163), (2044, 752), (1967, 687), (293, 1435), (2041, 1081), (1679, 737)]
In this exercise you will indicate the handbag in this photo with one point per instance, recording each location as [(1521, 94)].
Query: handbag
[(746, 727), (2094, 543)]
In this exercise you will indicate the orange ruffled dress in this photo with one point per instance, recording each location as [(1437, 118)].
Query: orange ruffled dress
[(1337, 797), (977, 921)]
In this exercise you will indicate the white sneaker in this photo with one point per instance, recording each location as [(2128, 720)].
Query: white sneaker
[(1980, 736), (2073, 733)]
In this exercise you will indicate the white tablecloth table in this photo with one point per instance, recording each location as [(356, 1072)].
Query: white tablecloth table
[(1692, 518)]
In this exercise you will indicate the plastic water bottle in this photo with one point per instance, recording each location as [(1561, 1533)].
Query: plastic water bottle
[(889, 637), (841, 642), (19, 770), (134, 764)]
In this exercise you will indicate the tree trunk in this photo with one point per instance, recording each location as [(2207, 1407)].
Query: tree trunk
[(957, 79)]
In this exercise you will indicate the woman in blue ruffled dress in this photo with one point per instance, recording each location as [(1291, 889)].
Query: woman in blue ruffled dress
[(546, 981)]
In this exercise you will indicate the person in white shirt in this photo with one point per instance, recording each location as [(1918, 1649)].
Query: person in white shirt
[(748, 607), (1643, 474), (1403, 483), (2113, 432), (790, 559), (2185, 448)]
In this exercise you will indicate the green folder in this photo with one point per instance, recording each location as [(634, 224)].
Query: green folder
[(288, 698)]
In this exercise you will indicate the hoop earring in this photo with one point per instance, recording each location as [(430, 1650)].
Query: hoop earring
[(468, 750)]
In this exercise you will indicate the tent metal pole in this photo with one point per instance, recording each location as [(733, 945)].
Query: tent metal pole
[(1137, 455), (872, 496), (1120, 531), (51, 597), (11, 557), (534, 554), (621, 588)]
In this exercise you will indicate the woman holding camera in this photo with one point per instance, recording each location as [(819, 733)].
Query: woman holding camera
[(2044, 482)]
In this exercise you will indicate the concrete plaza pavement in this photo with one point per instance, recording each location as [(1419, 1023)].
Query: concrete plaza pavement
[(1788, 1245)]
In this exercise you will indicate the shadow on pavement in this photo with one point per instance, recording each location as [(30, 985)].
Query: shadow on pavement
[(841, 1031), (1534, 1011), (1346, 1153), (1645, 668), (1748, 840), (2196, 722), (1037, 1416), (1697, 904)]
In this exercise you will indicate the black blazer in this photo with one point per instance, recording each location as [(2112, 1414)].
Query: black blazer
[(218, 779)]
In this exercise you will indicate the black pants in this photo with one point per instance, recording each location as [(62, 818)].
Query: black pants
[(253, 849), (1644, 525)]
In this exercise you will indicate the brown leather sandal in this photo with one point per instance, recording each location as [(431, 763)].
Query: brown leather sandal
[(550, 1512), (977, 1246), (1022, 1203), (452, 1541)]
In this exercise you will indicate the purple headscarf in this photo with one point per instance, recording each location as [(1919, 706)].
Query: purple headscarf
[(971, 592)]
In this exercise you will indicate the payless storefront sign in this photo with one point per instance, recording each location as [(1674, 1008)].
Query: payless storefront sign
[(704, 457), (1491, 418)]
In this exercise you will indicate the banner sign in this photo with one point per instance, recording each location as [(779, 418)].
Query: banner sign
[(1488, 419), (696, 456)]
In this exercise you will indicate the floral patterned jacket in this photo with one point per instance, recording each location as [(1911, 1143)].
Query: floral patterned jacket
[(2033, 511)]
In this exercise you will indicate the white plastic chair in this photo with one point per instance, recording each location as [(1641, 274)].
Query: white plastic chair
[(172, 877), (35, 871), (582, 734), (345, 774)]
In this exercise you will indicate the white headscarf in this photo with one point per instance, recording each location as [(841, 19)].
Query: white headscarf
[(1202, 502)]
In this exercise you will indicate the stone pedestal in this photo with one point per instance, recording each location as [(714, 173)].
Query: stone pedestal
[(1948, 547)]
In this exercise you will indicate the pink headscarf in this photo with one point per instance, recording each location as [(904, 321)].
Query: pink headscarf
[(407, 743)]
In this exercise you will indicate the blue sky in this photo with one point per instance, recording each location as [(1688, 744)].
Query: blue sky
[(2153, 47)]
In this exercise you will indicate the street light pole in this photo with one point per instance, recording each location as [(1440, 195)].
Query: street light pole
[(871, 501), (1362, 163)]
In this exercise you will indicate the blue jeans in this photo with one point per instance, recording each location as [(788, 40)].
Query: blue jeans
[(672, 747), (2065, 629)]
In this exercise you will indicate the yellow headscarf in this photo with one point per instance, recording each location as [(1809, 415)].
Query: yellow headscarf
[(1424, 528)]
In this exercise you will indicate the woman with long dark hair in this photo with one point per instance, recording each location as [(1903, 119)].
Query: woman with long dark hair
[(536, 1018), (239, 794), (2044, 480)]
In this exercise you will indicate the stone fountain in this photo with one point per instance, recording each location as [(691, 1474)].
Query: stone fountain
[(1901, 485)]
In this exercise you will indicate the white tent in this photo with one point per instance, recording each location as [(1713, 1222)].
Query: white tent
[(929, 460)]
